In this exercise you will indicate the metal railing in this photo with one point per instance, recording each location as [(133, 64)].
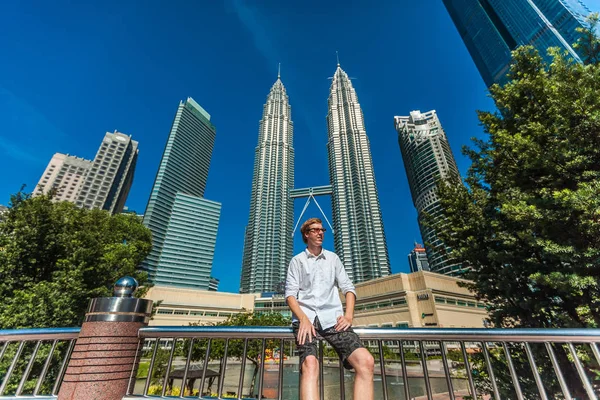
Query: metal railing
[(211, 362), (33, 361), (501, 363)]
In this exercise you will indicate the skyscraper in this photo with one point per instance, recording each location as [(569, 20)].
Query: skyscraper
[(359, 238), (491, 29), (427, 157), (110, 176), (417, 259), (268, 242), (66, 174), (183, 224)]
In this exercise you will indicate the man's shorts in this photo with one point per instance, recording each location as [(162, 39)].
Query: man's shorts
[(344, 342)]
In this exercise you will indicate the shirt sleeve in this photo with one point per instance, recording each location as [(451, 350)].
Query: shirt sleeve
[(343, 282), (292, 282)]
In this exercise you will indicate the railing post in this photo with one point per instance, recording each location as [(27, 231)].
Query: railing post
[(105, 354)]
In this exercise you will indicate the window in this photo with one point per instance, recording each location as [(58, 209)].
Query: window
[(164, 311)]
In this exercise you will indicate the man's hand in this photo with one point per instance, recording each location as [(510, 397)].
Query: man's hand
[(306, 329), (343, 323)]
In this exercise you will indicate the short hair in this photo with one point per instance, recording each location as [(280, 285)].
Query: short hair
[(306, 225)]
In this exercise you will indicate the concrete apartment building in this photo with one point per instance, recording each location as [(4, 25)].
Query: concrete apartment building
[(102, 183), (110, 176), (66, 174)]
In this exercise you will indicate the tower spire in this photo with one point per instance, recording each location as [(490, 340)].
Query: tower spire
[(337, 55), (279, 71)]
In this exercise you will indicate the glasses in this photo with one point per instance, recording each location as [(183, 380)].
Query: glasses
[(317, 230)]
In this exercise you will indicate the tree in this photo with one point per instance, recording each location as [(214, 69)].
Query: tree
[(589, 44), (527, 222), (54, 257), (236, 347)]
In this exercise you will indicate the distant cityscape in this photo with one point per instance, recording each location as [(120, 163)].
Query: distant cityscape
[(184, 224)]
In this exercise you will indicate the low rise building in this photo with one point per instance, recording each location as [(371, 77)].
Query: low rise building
[(270, 302), (182, 306), (417, 300)]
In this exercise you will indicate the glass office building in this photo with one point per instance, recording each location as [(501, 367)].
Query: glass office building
[(427, 158), (491, 29), (183, 223)]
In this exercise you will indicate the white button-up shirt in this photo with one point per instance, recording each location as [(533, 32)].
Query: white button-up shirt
[(312, 280)]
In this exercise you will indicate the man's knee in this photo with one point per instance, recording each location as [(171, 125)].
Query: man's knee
[(310, 366), (363, 361)]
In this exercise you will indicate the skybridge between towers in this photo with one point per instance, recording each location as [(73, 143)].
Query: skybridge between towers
[(310, 193)]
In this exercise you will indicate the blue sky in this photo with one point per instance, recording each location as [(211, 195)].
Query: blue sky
[(73, 70)]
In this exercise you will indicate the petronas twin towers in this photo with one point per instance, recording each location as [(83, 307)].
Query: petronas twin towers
[(268, 243), (359, 237)]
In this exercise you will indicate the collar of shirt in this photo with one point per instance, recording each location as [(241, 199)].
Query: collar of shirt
[(311, 255)]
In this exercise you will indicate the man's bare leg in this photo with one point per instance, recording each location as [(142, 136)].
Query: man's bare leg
[(363, 364), (309, 378)]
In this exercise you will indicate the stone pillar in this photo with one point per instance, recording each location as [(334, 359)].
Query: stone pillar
[(105, 355)]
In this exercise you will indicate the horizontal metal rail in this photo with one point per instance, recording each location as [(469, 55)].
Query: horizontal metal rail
[(13, 335), (30, 354), (417, 334), (491, 344)]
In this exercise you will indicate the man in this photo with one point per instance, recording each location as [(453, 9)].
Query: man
[(312, 295)]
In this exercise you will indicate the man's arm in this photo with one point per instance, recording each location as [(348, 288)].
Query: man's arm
[(292, 286), (344, 322), (345, 284)]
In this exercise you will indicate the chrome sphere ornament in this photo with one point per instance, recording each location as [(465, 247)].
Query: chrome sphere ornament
[(125, 287)]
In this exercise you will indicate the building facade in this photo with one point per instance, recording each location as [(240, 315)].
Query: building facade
[(268, 241), (213, 284), (183, 224), (65, 174), (491, 29), (107, 183), (183, 306), (418, 300), (417, 259), (427, 157), (359, 237), (189, 245)]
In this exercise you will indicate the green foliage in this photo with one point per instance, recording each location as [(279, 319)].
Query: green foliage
[(142, 371), (527, 222), (54, 257), (589, 44)]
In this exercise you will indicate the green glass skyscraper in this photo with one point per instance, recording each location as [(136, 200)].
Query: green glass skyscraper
[(183, 224)]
